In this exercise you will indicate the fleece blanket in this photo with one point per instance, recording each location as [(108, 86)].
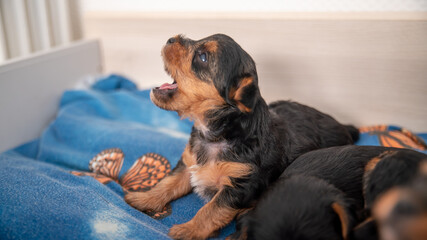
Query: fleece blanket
[(104, 142)]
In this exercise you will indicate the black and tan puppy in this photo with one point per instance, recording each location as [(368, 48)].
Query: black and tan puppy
[(401, 212), (238, 144), (394, 203), (298, 207), (396, 194), (321, 195)]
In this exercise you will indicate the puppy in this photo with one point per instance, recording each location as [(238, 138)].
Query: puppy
[(396, 193), (298, 207), (321, 195), (238, 144), (401, 212)]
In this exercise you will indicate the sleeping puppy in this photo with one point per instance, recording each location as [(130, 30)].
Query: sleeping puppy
[(395, 204), (401, 212), (238, 144), (396, 193), (321, 195)]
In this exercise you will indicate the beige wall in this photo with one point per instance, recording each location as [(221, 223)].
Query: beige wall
[(361, 69), (256, 5)]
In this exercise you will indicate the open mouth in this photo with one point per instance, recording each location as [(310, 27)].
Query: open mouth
[(166, 88)]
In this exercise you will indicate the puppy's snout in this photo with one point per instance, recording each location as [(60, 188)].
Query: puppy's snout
[(171, 40)]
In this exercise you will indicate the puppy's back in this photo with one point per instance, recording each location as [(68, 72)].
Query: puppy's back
[(344, 167), (305, 128)]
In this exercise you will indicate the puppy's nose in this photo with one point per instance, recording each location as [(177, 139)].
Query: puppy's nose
[(171, 40)]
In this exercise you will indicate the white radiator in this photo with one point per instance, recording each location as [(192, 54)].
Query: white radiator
[(28, 26)]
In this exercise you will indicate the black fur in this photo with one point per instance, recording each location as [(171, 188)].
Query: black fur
[(290, 211)]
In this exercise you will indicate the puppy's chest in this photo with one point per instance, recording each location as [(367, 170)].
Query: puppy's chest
[(208, 175), (205, 151)]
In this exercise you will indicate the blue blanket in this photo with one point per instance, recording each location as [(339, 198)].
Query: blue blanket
[(70, 182)]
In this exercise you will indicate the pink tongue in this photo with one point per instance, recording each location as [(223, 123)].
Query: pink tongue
[(168, 86)]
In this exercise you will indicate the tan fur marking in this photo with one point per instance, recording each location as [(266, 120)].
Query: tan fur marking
[(374, 161), (243, 83), (198, 98), (423, 167), (218, 174), (176, 57), (406, 227), (370, 166), (236, 93), (367, 220), (208, 219), (416, 228), (385, 204), (211, 46), (343, 218), (243, 108), (188, 157), (194, 97), (244, 211), (168, 189)]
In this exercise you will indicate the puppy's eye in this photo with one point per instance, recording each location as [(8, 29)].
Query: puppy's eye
[(203, 57)]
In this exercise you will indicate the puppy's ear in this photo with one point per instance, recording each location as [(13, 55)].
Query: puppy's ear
[(344, 217), (245, 94)]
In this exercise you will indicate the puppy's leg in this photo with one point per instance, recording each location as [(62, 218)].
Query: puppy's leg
[(211, 217), (170, 188)]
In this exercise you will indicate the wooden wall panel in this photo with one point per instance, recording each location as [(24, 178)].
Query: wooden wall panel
[(361, 71)]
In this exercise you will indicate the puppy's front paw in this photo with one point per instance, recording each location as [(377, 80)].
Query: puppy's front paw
[(188, 231), (144, 201), (183, 231)]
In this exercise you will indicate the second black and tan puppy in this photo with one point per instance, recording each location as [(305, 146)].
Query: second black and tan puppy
[(396, 196), (321, 195), (401, 212), (239, 144)]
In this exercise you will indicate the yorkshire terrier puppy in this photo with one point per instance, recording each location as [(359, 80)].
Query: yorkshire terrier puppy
[(238, 144)]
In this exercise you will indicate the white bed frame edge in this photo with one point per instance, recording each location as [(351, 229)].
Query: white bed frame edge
[(30, 88)]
